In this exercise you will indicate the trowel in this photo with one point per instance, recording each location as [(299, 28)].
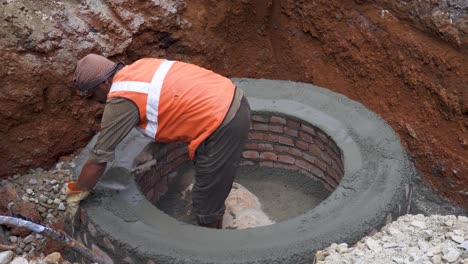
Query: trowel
[(119, 179)]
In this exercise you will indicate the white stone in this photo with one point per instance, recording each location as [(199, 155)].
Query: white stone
[(450, 254), (53, 258), (28, 239), (464, 245), (423, 245), (57, 201), (62, 207), (19, 260), (437, 259), (449, 223), (53, 182), (458, 239), (5, 257), (418, 224), (398, 260), (33, 181), (373, 245), (29, 191), (465, 261)]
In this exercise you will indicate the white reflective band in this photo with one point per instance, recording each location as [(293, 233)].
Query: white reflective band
[(152, 106), (130, 86)]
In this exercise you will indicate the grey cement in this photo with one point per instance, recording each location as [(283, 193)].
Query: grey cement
[(283, 194), (374, 188)]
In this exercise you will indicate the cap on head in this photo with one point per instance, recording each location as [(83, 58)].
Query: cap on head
[(91, 71)]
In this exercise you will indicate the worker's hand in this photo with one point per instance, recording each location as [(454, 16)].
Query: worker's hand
[(74, 196)]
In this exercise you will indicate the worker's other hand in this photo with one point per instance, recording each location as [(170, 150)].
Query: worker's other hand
[(74, 196)]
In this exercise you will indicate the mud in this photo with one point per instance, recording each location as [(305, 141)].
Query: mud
[(405, 60), (283, 194)]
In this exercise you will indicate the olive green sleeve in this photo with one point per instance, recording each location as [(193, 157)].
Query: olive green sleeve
[(120, 116)]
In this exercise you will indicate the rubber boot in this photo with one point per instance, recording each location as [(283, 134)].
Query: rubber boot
[(216, 224)]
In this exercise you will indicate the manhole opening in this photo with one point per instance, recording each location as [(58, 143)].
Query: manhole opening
[(289, 164)]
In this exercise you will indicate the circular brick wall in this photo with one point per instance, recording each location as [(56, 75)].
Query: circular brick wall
[(275, 140), (286, 142)]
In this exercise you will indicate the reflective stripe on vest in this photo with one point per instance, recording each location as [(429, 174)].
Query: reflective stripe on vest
[(153, 91)]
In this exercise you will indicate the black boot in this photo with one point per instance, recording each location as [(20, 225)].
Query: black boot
[(216, 224)]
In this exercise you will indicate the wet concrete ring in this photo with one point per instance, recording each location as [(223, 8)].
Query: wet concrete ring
[(124, 227)]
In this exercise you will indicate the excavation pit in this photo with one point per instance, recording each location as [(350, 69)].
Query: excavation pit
[(361, 163), (289, 164)]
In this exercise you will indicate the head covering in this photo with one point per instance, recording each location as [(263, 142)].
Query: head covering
[(91, 71)]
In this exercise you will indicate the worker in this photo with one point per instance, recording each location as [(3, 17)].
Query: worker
[(168, 101)]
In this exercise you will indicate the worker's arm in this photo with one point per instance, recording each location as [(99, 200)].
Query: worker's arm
[(90, 175), (119, 117)]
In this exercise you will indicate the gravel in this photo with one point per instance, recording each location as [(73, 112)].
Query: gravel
[(411, 239)]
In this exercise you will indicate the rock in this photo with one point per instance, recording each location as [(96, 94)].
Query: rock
[(42, 209), (373, 245), (50, 216), (53, 258), (458, 239), (33, 181), (53, 182), (19, 260), (61, 207), (465, 261), (57, 201), (43, 198), (13, 239), (29, 191), (437, 259), (50, 201), (449, 223), (418, 224), (27, 248), (28, 239), (450, 254), (6, 257)]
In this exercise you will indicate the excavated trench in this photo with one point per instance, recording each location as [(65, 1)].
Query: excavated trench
[(404, 60)]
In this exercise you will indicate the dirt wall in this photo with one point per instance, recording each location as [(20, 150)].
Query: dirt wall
[(405, 60)]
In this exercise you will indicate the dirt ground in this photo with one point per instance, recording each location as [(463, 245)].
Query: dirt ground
[(407, 61)]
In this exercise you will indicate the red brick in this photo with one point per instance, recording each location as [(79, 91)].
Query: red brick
[(278, 120), (265, 146), (245, 162), (310, 168), (306, 137), (291, 132), (302, 145), (269, 156), (260, 127), (249, 154), (315, 150), (309, 158), (267, 164), (308, 129), (322, 165), (259, 118), (149, 195), (276, 129), (320, 144), (279, 148), (333, 174), (286, 159), (256, 136), (323, 137), (291, 167), (293, 124), (326, 157), (251, 145), (176, 153), (286, 141), (332, 154), (272, 138), (295, 152)]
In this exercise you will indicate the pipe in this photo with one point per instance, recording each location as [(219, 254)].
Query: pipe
[(54, 234)]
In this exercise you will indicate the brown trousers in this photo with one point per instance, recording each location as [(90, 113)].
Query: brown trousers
[(216, 161)]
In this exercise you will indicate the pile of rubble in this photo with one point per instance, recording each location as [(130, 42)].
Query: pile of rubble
[(409, 240)]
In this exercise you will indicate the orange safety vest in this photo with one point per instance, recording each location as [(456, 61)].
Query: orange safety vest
[(177, 101)]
